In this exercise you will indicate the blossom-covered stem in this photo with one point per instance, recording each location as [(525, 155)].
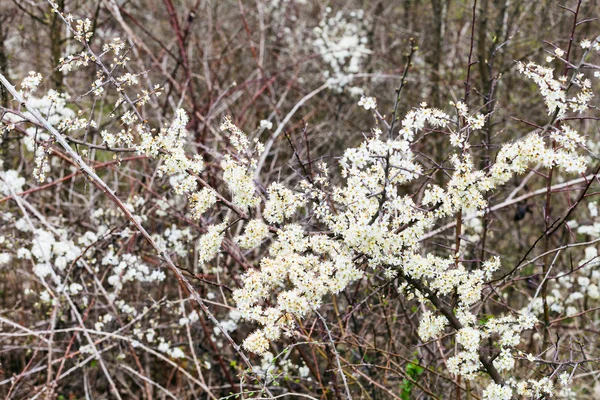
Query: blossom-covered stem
[(510, 201), (98, 61), (582, 63), (448, 312), (182, 280), (69, 138)]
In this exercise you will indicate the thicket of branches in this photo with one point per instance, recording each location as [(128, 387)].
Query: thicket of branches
[(299, 199)]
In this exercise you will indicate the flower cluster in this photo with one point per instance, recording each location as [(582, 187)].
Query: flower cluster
[(240, 183), (282, 203), (313, 266), (169, 144), (78, 60), (10, 181), (554, 91), (238, 171), (42, 167), (83, 30), (431, 325), (342, 43), (367, 102), (256, 231), (127, 268), (116, 45), (201, 201), (31, 82), (551, 89), (210, 243)]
